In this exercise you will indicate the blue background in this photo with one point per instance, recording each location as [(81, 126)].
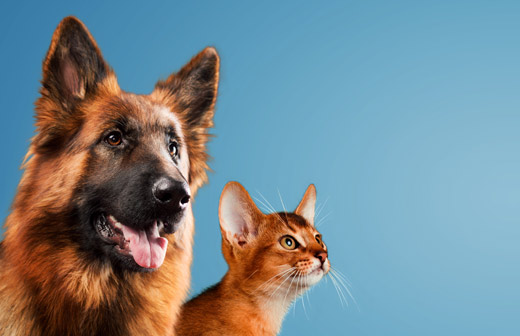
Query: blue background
[(404, 114)]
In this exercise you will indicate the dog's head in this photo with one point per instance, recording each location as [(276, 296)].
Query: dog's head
[(139, 159)]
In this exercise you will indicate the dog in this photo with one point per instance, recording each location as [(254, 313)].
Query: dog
[(99, 237)]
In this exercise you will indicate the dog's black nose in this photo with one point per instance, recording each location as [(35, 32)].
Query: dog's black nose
[(172, 193)]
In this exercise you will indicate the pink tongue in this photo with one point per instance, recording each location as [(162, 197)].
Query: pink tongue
[(147, 247)]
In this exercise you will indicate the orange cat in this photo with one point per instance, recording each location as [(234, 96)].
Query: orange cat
[(272, 260)]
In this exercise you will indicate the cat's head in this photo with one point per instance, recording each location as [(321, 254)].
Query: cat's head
[(278, 251)]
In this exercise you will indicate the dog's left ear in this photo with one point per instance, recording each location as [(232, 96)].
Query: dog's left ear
[(191, 94), (72, 71)]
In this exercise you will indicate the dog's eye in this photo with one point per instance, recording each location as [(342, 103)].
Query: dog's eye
[(114, 138), (289, 243), (173, 148)]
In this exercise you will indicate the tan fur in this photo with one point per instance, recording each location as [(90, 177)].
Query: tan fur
[(46, 285), (260, 285)]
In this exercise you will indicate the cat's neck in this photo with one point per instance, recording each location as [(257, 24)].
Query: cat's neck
[(270, 306)]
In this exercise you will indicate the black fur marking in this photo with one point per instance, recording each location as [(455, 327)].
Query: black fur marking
[(127, 195)]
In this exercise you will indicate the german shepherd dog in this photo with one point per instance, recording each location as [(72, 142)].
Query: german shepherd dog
[(99, 238)]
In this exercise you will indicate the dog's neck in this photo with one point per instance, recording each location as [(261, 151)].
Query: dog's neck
[(68, 287)]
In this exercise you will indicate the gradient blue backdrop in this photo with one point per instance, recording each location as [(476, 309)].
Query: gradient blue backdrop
[(404, 114)]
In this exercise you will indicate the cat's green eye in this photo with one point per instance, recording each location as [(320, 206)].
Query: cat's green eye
[(318, 239), (288, 243)]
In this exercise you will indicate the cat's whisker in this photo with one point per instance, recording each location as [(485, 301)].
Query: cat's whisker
[(265, 206), (251, 274), (322, 219), (307, 295), (342, 276), (289, 288), (265, 210), (342, 283), (339, 285), (341, 279), (266, 201), (294, 309), (271, 207), (286, 277), (320, 224), (303, 301), (273, 278), (336, 288), (266, 284), (281, 200), (321, 207)]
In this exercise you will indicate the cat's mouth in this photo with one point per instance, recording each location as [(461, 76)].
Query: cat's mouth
[(317, 271), (315, 274)]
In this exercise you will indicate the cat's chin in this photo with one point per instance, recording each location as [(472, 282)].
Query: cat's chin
[(314, 277)]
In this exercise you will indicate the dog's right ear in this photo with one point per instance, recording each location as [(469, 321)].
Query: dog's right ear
[(72, 70), (191, 93)]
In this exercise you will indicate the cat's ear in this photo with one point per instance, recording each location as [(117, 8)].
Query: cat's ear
[(238, 215), (307, 205)]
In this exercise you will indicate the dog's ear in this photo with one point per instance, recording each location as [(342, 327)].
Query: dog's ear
[(73, 65), (72, 70), (191, 93)]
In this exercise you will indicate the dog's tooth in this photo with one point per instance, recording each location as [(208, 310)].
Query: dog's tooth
[(118, 225), (114, 222), (160, 225)]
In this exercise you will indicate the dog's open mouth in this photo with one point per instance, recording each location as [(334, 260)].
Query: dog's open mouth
[(145, 246)]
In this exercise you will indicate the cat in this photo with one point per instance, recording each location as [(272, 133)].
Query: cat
[(272, 260)]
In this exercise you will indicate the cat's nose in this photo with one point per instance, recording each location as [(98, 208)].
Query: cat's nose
[(322, 256)]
